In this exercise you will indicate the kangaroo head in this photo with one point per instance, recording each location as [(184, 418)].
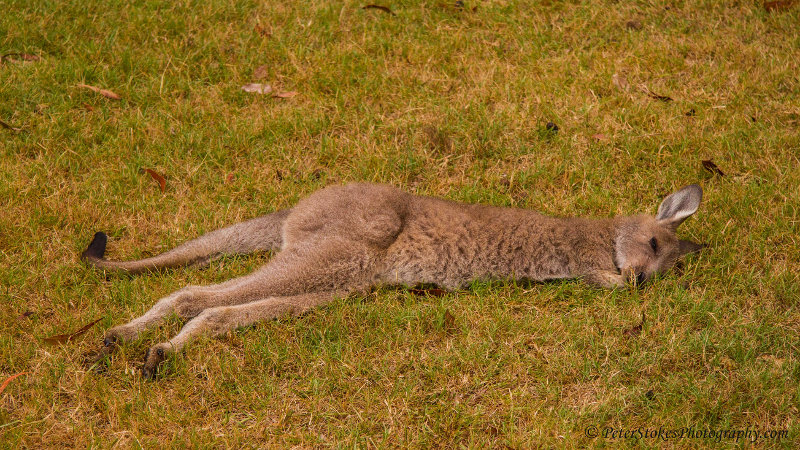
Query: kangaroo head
[(646, 245)]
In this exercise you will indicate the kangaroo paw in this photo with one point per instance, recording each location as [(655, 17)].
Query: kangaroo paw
[(96, 248), (606, 279), (153, 358)]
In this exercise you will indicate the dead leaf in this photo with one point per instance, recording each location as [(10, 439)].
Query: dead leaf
[(635, 330), (162, 182), (778, 5), (428, 292), (88, 107), (438, 140), (773, 359), (652, 94), (289, 94), (279, 175), (229, 178), (382, 8), (257, 88), (9, 127), (620, 81), (26, 314), (104, 92), (458, 5), (263, 31), (63, 338), (711, 167), (634, 25), (599, 137), (449, 323), (22, 57), (9, 380), (260, 72)]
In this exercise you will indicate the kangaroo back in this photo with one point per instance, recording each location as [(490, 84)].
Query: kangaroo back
[(259, 234)]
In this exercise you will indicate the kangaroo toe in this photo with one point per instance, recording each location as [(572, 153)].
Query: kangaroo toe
[(116, 335), (153, 358)]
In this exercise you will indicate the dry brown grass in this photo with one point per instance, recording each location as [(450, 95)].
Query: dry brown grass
[(440, 101)]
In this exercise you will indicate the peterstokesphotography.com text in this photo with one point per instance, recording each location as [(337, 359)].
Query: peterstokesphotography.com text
[(700, 434)]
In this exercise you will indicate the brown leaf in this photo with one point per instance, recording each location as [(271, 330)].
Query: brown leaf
[(289, 94), (438, 139), (620, 81), (63, 338), (449, 321), (652, 94), (9, 380), (261, 72), (279, 175), (104, 92), (22, 57), (382, 8), (88, 106), (257, 88), (778, 5), (635, 330), (162, 182), (229, 178), (428, 292), (26, 314), (317, 174), (634, 25), (263, 31), (458, 5), (599, 137), (9, 127), (711, 167)]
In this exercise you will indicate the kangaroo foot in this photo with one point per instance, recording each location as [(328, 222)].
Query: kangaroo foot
[(153, 358)]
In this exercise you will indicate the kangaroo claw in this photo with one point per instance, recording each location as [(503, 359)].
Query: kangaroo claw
[(152, 359)]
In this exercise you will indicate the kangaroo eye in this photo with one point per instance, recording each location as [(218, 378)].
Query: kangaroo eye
[(654, 245)]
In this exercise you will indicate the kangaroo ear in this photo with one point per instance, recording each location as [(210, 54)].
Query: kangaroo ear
[(678, 206)]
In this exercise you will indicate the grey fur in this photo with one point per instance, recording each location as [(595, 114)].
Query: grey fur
[(347, 239)]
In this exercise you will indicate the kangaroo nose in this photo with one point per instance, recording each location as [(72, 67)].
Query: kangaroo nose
[(640, 278)]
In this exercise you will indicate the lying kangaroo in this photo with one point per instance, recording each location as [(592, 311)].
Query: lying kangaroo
[(346, 239)]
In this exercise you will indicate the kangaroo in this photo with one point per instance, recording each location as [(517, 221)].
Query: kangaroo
[(347, 239)]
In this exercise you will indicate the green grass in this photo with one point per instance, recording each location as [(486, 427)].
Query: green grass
[(439, 101)]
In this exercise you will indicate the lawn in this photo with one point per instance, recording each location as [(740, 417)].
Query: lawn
[(441, 98)]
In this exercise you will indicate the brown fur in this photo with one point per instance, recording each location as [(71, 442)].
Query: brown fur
[(345, 239)]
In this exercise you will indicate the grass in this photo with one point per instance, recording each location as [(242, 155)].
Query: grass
[(441, 101)]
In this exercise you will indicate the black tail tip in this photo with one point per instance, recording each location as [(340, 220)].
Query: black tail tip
[(97, 248)]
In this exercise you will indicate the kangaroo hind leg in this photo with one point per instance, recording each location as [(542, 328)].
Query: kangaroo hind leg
[(219, 320), (319, 267)]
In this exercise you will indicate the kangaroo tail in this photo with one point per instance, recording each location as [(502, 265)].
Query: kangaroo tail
[(259, 234)]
